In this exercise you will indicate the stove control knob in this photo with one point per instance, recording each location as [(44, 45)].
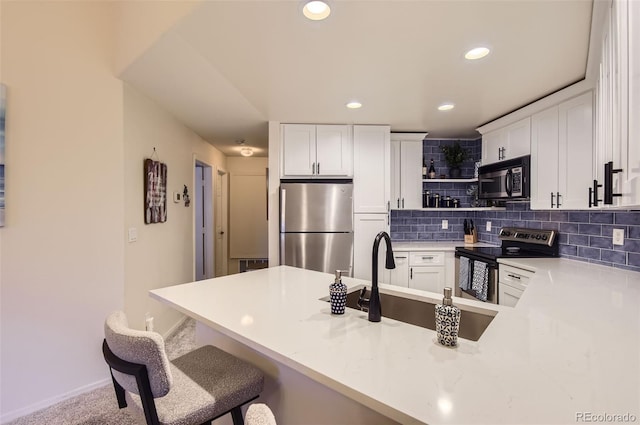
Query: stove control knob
[(538, 237), (544, 237)]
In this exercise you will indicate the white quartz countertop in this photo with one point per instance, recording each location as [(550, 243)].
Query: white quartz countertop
[(570, 346), (433, 246)]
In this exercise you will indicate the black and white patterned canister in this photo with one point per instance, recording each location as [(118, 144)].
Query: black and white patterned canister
[(447, 324), (338, 297)]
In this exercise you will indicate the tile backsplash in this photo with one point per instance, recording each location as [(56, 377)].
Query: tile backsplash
[(584, 235)]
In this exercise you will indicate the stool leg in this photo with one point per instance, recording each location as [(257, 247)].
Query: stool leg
[(236, 415)]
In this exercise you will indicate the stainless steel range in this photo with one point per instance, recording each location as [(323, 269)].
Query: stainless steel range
[(477, 267)]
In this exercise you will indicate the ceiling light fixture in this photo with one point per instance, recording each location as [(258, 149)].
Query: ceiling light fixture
[(477, 53), (446, 107), (246, 151), (354, 105), (316, 10)]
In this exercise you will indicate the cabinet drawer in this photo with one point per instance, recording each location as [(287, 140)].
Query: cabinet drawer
[(427, 258), (516, 277)]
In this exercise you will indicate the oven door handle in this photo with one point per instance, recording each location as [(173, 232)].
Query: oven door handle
[(508, 182)]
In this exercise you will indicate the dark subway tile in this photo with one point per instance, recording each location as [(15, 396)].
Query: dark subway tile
[(586, 252), (541, 215), (590, 229), (578, 240), (527, 215), (558, 216), (568, 250), (410, 236), (425, 236), (632, 218), (550, 225), (600, 242), (568, 228), (616, 257), (404, 213), (578, 217), (601, 217), (634, 259), (632, 245), (634, 232)]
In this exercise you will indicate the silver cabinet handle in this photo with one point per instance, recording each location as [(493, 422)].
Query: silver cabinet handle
[(313, 168), (404, 258), (558, 204), (398, 202), (513, 276), (411, 273), (428, 258), (402, 202), (552, 195), (318, 168)]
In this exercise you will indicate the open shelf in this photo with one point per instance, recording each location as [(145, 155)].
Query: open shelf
[(449, 180)]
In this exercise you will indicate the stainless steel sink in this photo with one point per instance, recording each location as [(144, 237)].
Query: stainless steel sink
[(422, 313)]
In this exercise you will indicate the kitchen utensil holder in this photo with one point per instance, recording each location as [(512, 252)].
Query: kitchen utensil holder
[(472, 238)]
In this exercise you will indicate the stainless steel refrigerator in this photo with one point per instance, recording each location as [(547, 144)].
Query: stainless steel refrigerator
[(316, 225)]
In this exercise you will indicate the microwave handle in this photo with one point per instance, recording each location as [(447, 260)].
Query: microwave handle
[(508, 182)]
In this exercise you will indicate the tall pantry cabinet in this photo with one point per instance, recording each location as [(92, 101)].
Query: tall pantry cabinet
[(371, 195)]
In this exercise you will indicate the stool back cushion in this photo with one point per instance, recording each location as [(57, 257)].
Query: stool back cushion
[(140, 347)]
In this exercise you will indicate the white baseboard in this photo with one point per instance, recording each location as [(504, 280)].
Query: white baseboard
[(10, 416), (175, 327)]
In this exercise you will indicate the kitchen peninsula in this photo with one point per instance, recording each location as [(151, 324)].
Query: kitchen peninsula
[(571, 346)]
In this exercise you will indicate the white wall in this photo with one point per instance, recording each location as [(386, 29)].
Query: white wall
[(62, 247), (164, 252)]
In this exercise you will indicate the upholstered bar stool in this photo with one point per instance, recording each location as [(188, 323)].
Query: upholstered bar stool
[(193, 389)]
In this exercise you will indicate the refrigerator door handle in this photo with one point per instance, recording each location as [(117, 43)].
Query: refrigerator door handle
[(283, 203)]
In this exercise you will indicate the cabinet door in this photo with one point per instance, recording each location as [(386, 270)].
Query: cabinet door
[(630, 152), (298, 149), (492, 146), (575, 151), (544, 158), (427, 278), (334, 150), (371, 168), (395, 174), (400, 275), (411, 174), (508, 296), (518, 137), (365, 229)]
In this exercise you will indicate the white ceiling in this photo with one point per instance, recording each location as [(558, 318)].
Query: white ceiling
[(232, 66)]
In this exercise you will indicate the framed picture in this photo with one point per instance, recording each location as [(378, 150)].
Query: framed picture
[(3, 111), (155, 191)]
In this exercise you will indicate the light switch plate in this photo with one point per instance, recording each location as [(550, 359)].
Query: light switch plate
[(176, 197), (488, 226), (132, 234), (618, 236), (445, 224)]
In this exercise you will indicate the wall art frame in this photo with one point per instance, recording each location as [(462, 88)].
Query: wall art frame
[(155, 191)]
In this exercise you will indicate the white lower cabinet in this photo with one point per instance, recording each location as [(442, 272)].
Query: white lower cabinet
[(365, 229), (400, 275), (512, 282), (427, 271)]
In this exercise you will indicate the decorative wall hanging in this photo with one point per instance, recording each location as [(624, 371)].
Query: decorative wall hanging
[(185, 196), (3, 109), (155, 191)]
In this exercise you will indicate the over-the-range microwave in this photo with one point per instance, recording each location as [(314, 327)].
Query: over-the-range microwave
[(505, 180)]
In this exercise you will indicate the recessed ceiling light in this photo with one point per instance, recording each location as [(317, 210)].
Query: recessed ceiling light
[(446, 107), (316, 10), (354, 105), (477, 53)]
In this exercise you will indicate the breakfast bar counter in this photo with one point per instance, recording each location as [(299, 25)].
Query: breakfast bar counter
[(570, 348)]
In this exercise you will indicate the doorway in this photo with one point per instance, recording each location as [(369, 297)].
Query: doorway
[(221, 215), (203, 228)]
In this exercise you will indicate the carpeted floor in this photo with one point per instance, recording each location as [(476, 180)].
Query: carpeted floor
[(99, 407)]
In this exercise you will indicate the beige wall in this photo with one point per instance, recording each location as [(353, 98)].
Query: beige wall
[(62, 263), (247, 204), (163, 253)]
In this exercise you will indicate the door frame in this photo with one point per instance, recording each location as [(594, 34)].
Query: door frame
[(208, 208)]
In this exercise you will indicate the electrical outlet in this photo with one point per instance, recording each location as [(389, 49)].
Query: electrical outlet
[(618, 236), (445, 224), (148, 322), (488, 226)]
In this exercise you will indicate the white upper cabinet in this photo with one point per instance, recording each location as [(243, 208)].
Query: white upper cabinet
[(316, 151), (406, 170), (371, 168), (561, 155), (508, 142), (617, 150)]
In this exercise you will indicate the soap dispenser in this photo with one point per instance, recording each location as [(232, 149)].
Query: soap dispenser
[(338, 294), (447, 320)]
